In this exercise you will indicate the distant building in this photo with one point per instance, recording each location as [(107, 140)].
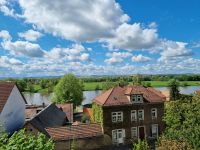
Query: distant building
[(197, 92), (67, 108), (50, 116), (32, 110), (131, 112), (12, 107), (82, 136)]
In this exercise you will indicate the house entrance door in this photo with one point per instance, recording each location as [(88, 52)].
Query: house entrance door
[(141, 133), (118, 136)]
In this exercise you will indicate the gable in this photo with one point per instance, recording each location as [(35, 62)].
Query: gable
[(5, 91)]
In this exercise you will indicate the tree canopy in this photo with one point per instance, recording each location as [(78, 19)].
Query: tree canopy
[(24, 141), (182, 119), (69, 90), (174, 89)]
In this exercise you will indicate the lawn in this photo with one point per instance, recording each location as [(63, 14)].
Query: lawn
[(90, 86)]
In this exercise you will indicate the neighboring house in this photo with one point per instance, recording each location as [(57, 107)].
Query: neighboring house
[(67, 108), (50, 116), (131, 112), (82, 136), (12, 107), (32, 110), (197, 92)]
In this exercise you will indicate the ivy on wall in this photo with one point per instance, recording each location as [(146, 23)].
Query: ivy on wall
[(97, 114)]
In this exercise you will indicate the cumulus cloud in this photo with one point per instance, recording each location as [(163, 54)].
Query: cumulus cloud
[(23, 48), (5, 61), (30, 35), (74, 20), (133, 37), (117, 57), (140, 58), (5, 35), (20, 48), (174, 50), (75, 53)]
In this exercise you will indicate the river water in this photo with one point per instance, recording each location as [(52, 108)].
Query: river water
[(38, 99)]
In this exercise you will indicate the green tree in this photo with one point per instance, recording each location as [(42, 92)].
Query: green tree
[(30, 87), (174, 89), (122, 82), (24, 141), (182, 119), (21, 85), (141, 145), (69, 90), (107, 85), (137, 79)]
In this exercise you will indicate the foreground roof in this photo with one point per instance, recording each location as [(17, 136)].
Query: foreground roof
[(120, 95), (75, 132), (50, 116)]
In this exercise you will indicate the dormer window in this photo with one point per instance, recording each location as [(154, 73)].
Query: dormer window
[(137, 98)]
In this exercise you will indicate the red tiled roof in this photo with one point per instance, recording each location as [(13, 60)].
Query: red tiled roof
[(5, 91), (68, 110), (75, 132), (119, 95)]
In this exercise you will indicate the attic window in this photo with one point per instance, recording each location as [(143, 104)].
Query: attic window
[(137, 98)]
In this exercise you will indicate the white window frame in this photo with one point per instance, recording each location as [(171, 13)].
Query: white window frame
[(136, 132), (133, 115), (135, 98), (118, 116), (141, 110), (115, 135), (154, 110), (154, 125)]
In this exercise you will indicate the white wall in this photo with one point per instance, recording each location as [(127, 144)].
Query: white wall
[(13, 114)]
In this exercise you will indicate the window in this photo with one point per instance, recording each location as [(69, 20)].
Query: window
[(140, 114), (117, 116), (153, 113), (137, 98), (133, 115), (134, 133), (154, 130)]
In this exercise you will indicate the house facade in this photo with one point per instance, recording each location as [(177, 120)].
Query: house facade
[(131, 112), (12, 107)]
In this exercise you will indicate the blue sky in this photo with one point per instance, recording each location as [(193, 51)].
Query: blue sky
[(95, 37)]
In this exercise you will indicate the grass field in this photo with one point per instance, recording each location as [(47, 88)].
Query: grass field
[(90, 86)]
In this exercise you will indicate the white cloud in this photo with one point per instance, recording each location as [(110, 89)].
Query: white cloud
[(117, 57), (30, 35), (5, 35), (5, 61), (75, 53), (75, 20), (140, 58), (4, 7), (174, 50), (133, 37), (23, 48)]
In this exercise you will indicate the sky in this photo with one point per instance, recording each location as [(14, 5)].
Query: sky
[(41, 38)]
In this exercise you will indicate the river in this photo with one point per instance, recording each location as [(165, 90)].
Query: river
[(38, 99)]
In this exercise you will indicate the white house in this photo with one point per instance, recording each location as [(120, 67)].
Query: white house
[(12, 107)]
